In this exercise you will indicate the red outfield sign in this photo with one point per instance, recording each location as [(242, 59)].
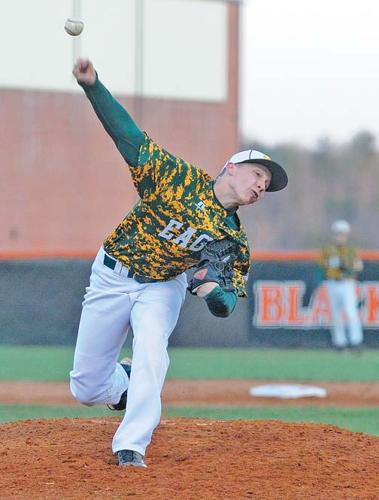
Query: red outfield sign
[(280, 304)]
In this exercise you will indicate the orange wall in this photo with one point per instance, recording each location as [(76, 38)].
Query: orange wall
[(64, 185)]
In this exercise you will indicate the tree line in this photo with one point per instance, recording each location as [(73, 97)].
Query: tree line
[(326, 183)]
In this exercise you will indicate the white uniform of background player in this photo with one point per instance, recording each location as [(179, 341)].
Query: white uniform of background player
[(341, 264)]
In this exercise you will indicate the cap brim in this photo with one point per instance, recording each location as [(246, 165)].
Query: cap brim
[(279, 178)]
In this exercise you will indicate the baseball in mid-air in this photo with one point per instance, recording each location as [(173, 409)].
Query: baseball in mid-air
[(73, 27)]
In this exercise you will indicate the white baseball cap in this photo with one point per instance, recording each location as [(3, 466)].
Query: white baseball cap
[(279, 178), (340, 226)]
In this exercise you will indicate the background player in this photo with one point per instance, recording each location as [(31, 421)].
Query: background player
[(138, 277), (341, 264)]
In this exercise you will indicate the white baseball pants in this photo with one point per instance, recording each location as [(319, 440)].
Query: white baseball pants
[(343, 303), (112, 303)]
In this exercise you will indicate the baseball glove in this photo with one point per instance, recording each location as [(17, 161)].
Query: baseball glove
[(215, 265)]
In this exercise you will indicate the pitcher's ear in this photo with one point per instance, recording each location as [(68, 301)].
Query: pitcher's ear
[(230, 168)]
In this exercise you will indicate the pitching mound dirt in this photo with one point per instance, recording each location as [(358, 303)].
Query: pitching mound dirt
[(189, 459)]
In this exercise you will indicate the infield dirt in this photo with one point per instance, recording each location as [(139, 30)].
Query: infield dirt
[(202, 392)]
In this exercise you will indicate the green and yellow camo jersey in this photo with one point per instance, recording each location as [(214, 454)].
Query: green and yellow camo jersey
[(338, 261), (176, 216)]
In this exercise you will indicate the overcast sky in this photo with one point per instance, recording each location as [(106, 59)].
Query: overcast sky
[(309, 69)]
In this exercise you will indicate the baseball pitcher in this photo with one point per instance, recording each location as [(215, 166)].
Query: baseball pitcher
[(183, 219)]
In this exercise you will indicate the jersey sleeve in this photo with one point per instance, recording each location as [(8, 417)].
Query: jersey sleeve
[(117, 122), (240, 284), (158, 170), (241, 268)]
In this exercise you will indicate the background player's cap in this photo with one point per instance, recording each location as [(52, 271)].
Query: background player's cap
[(279, 179), (340, 226)]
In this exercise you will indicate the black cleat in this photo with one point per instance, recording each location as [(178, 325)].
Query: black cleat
[(125, 458), (126, 363)]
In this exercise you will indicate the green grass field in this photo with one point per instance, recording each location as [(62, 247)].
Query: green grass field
[(54, 363)]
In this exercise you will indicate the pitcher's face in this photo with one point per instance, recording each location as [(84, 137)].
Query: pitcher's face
[(248, 181)]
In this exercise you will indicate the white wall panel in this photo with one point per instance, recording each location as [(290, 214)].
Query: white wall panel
[(109, 41), (185, 49), (183, 54), (35, 52)]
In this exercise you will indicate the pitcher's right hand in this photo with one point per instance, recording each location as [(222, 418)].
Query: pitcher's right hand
[(84, 72)]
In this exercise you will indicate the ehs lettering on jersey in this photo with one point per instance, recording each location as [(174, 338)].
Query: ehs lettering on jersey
[(183, 239)]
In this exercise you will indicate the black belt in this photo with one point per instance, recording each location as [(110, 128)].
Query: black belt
[(111, 263)]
